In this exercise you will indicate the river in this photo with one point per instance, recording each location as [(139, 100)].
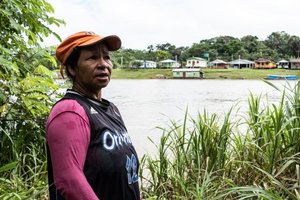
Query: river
[(147, 104)]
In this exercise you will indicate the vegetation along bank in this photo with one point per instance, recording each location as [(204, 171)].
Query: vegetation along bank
[(121, 73)]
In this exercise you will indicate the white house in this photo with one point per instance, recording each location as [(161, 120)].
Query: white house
[(295, 63), (283, 64), (219, 64), (169, 63), (146, 64), (196, 62), (241, 63)]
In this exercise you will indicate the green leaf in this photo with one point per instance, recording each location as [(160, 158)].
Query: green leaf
[(8, 166), (42, 70)]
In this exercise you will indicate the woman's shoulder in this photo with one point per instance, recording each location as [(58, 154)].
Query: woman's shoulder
[(67, 106)]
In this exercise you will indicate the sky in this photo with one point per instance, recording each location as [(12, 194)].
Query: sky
[(140, 23)]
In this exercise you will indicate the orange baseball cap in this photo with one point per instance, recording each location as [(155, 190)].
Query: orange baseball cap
[(84, 38)]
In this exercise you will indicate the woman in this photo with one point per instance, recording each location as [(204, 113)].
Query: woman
[(90, 153)]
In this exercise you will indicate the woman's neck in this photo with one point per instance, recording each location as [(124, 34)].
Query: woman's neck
[(84, 92)]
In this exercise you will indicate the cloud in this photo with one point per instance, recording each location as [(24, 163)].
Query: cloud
[(141, 23)]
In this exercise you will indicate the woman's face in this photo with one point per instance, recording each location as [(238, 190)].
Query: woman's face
[(93, 70)]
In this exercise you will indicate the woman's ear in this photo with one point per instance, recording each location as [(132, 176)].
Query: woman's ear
[(71, 70)]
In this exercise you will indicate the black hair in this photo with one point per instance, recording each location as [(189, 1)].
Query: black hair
[(72, 60)]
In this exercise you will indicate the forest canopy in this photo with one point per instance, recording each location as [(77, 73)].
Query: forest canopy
[(277, 46)]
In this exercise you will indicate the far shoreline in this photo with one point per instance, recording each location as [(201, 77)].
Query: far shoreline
[(209, 74), (235, 74)]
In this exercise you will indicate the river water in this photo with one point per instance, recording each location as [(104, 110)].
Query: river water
[(147, 104)]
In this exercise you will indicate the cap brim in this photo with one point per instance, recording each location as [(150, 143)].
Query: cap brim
[(113, 42)]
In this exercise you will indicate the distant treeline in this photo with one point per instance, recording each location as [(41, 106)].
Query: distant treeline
[(277, 46)]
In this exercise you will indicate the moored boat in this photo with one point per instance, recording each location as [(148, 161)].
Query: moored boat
[(281, 77)]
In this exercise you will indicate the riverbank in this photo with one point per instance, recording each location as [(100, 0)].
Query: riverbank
[(208, 73)]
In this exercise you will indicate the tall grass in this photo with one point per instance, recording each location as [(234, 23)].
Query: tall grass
[(23, 172), (215, 158), (190, 159), (24, 175)]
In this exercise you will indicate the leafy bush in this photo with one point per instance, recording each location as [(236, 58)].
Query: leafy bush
[(26, 85)]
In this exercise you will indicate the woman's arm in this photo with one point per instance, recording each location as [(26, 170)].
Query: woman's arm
[(68, 137)]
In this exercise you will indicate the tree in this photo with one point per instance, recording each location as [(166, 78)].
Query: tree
[(162, 55), (123, 58), (165, 47), (278, 41), (294, 46), (177, 53), (26, 85), (250, 43), (173, 52), (150, 48)]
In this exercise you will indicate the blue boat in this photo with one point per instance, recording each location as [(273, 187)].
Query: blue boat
[(281, 77)]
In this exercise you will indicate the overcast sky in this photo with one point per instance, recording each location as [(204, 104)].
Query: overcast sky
[(141, 23)]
